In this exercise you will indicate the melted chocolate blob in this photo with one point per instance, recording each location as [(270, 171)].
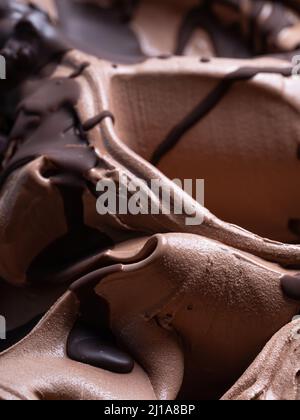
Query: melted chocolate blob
[(207, 105), (291, 286), (101, 31), (78, 72)]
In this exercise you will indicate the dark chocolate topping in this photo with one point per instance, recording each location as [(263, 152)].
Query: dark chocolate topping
[(259, 33), (78, 244), (208, 104), (78, 72), (225, 41), (32, 42), (101, 31), (291, 286), (14, 336), (52, 130), (48, 126), (10, 13)]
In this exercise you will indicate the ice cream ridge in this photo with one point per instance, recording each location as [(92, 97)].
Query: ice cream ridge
[(146, 306)]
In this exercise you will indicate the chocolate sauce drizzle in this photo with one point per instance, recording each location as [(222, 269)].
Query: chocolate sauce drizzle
[(52, 129), (32, 42), (11, 12), (84, 24), (79, 71), (291, 286), (101, 31), (14, 336), (54, 121), (208, 104), (91, 340)]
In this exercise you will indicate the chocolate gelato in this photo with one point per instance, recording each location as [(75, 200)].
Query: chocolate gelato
[(147, 305)]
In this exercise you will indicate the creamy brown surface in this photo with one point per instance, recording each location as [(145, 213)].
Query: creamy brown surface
[(162, 301)]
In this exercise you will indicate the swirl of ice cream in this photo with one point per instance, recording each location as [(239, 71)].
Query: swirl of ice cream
[(71, 119)]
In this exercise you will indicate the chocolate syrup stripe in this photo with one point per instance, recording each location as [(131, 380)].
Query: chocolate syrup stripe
[(208, 104), (93, 122), (97, 347)]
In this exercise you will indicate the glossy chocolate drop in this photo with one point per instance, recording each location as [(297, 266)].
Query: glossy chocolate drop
[(291, 286)]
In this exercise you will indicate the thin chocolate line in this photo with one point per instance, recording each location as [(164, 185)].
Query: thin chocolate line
[(104, 32), (208, 104), (198, 17)]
